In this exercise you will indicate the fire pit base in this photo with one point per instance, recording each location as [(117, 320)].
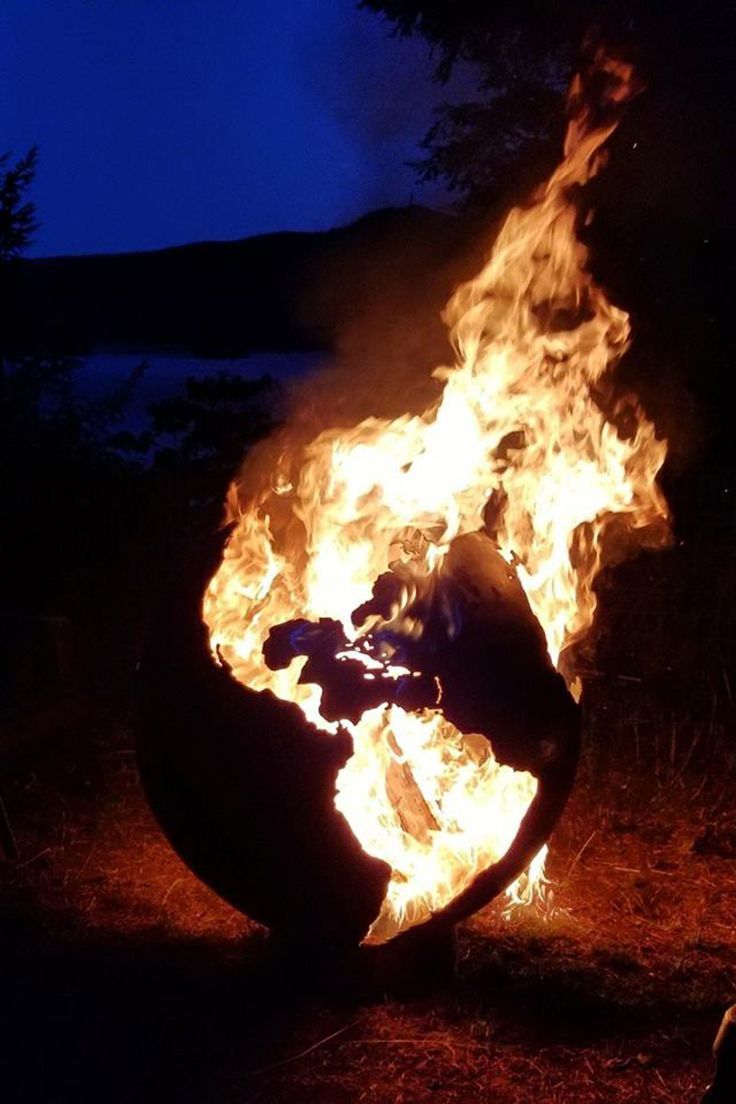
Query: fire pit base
[(421, 961)]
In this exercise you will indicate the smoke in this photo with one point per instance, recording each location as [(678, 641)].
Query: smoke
[(386, 293)]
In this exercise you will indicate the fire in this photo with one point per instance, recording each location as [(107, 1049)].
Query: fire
[(519, 424)]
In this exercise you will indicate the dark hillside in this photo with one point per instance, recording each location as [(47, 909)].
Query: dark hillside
[(282, 291)]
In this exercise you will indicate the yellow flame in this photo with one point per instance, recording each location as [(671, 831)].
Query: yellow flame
[(517, 419)]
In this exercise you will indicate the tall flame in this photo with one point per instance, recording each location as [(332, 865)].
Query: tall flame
[(517, 422)]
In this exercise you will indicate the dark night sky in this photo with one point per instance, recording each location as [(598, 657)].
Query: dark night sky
[(165, 121)]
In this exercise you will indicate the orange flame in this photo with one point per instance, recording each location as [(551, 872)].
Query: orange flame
[(517, 420)]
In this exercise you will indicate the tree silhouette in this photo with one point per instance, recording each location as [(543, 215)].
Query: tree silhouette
[(503, 140), (199, 438), (17, 214), (92, 514), (525, 50), (64, 493)]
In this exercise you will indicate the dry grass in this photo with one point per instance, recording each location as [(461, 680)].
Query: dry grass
[(125, 980)]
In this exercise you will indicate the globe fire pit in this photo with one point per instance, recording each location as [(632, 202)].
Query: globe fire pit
[(354, 725)]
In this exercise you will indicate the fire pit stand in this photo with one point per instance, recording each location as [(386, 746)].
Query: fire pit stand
[(244, 786)]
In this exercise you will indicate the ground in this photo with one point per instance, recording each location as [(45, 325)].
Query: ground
[(125, 980)]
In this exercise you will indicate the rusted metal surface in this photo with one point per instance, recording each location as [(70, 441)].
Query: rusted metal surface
[(244, 786)]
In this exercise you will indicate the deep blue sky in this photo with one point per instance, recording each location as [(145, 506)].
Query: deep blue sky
[(165, 121)]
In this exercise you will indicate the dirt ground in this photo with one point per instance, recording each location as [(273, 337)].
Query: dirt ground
[(125, 980)]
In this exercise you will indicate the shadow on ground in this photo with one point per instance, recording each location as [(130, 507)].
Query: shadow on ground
[(125, 981), (155, 1017)]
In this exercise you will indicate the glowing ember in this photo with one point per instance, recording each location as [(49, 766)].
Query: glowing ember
[(518, 424)]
